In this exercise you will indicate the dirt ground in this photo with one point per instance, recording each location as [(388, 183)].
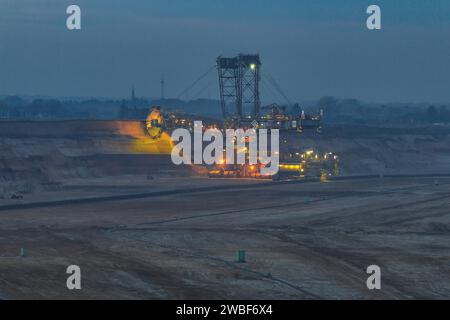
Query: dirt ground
[(100, 195), (307, 240)]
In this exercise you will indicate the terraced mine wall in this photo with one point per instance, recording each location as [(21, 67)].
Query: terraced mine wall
[(46, 153)]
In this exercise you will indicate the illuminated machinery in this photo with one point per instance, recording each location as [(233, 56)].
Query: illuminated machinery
[(276, 118), (309, 163), (237, 171), (310, 121), (223, 170), (157, 123), (239, 79)]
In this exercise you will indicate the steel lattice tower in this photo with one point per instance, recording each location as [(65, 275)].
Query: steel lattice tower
[(228, 83), (239, 84)]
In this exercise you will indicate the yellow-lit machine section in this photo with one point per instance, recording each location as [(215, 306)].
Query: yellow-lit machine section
[(237, 171), (158, 127), (309, 163), (292, 167), (163, 145), (149, 137), (224, 170), (155, 123)]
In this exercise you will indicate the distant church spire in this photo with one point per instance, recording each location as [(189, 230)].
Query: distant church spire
[(133, 95)]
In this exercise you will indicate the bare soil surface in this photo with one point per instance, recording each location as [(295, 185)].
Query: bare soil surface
[(302, 241)]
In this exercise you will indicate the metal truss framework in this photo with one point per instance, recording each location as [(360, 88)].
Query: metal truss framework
[(239, 84)]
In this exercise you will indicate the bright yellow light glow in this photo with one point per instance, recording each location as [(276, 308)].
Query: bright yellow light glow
[(253, 66)]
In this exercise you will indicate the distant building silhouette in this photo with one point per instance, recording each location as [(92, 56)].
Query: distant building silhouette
[(133, 97)]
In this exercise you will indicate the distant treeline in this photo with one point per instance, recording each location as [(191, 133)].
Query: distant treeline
[(354, 111), (18, 108), (335, 110)]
